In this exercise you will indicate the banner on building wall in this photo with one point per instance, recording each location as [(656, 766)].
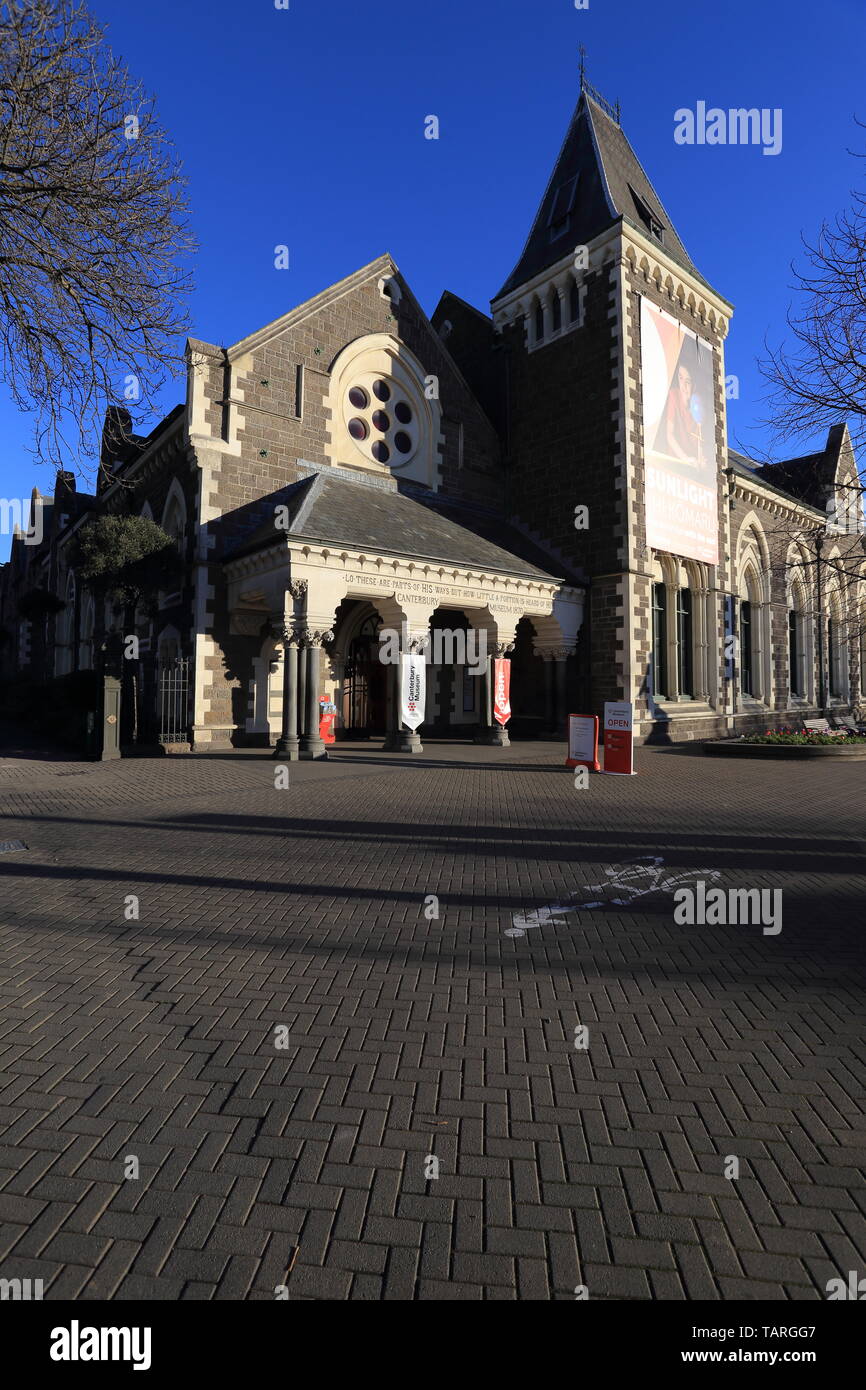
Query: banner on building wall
[(501, 691), (583, 741), (413, 691), (619, 737), (679, 420)]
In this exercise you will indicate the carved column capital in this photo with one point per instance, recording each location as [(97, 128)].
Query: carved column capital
[(287, 633), (298, 588)]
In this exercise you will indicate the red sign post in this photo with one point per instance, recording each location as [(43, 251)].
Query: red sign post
[(501, 691), (618, 738)]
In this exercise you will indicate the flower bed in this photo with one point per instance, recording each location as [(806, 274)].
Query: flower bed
[(791, 738), (791, 743)]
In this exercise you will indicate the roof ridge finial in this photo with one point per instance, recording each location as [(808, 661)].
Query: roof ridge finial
[(613, 111)]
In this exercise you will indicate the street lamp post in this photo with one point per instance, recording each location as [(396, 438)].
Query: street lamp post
[(822, 687)]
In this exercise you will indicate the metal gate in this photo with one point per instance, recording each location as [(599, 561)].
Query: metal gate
[(174, 702)]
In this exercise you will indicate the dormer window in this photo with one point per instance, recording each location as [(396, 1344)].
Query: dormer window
[(650, 219), (559, 219)]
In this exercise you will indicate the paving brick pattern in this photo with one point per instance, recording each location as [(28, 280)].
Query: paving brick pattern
[(409, 1036)]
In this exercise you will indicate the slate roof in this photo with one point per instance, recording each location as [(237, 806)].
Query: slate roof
[(609, 174), (329, 507), (797, 480)]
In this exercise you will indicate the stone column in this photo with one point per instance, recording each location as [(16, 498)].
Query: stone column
[(301, 728), (311, 743), (492, 733), (561, 729), (287, 743), (483, 735), (548, 694)]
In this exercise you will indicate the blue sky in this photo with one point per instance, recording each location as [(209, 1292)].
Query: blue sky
[(305, 127)]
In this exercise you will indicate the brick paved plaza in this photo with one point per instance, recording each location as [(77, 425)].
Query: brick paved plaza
[(409, 1036)]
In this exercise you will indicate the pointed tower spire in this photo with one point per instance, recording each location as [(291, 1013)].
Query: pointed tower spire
[(597, 180)]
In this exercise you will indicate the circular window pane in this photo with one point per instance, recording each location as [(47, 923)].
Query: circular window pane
[(381, 421), (381, 390), (357, 428), (403, 413), (402, 442), (380, 451), (359, 398)]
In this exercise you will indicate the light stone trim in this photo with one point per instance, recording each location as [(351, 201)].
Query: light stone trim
[(649, 258)]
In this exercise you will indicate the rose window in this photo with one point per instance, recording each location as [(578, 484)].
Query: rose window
[(381, 419)]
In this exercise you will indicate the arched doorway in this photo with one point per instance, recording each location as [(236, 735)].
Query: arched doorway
[(364, 701), (531, 686)]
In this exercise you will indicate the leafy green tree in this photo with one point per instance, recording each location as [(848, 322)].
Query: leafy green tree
[(127, 559)]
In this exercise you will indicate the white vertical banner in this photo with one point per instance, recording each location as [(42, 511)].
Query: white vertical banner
[(413, 690)]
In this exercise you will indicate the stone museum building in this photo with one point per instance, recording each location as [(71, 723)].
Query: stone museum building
[(551, 478)]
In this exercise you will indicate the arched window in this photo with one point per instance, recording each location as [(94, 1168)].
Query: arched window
[(539, 322), (836, 656), (174, 524), (574, 302), (174, 517), (795, 679), (746, 649), (754, 635), (660, 642), (685, 643), (557, 311), (64, 631), (797, 641), (85, 637)]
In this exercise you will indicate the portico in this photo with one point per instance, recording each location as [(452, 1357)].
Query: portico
[(334, 616)]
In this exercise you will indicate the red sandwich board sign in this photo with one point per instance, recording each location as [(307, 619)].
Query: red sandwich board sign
[(501, 691), (618, 738), (583, 741)]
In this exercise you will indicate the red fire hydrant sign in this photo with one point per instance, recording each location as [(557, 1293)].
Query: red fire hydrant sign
[(618, 738), (583, 741)]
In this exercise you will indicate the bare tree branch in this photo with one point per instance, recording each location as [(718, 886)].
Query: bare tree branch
[(94, 239)]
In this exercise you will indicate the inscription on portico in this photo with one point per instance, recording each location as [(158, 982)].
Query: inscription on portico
[(407, 590)]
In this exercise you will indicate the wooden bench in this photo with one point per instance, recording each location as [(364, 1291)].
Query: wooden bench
[(816, 726), (847, 724)]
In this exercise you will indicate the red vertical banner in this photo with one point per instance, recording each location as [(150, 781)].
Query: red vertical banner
[(501, 691), (618, 738)]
